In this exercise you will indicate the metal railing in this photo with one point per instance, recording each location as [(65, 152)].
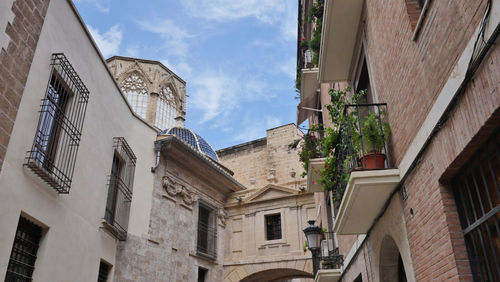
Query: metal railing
[(207, 241), (329, 257), (362, 141)]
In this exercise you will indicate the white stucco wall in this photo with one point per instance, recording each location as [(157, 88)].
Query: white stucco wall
[(73, 240)]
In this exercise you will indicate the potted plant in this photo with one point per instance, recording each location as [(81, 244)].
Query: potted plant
[(375, 132)]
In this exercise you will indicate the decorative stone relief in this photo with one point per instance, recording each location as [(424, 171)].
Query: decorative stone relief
[(173, 189), (222, 216)]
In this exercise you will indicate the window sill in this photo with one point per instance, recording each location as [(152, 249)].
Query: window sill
[(113, 231), (204, 257)]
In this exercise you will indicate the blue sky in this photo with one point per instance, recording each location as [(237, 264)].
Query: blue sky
[(237, 57)]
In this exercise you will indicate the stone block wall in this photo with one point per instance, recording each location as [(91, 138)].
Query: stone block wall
[(270, 160)]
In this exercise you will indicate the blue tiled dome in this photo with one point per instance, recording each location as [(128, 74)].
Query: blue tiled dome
[(192, 139)]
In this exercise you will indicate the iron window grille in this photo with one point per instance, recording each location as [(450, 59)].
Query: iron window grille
[(207, 232), (120, 183), (477, 195), (273, 226), (23, 255), (104, 269), (53, 154)]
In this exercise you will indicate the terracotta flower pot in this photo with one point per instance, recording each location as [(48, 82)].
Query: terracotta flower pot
[(368, 161)]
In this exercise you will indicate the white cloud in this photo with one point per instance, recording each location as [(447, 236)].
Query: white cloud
[(132, 51), (174, 37), (255, 126), (215, 95), (109, 41), (182, 69), (289, 67), (272, 121), (219, 95), (98, 4), (283, 13)]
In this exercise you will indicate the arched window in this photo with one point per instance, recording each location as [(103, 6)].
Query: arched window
[(165, 109), (136, 91)]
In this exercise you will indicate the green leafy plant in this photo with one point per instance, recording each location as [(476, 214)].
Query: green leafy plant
[(311, 146), (304, 248), (375, 131), (332, 174)]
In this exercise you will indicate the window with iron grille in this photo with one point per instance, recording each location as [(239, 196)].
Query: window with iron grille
[(55, 146), (104, 269), (273, 226), (477, 193), (120, 183), (207, 231), (23, 255)]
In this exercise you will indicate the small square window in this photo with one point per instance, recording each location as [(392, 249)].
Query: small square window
[(273, 226)]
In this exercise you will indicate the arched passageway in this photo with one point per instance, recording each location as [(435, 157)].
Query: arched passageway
[(276, 275), (391, 263)]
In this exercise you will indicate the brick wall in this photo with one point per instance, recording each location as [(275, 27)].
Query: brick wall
[(15, 62), (407, 74), (434, 233)]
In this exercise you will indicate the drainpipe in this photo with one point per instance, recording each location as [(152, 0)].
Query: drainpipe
[(158, 146)]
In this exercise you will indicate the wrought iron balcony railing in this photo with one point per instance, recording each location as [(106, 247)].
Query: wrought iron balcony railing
[(330, 257), (362, 142)]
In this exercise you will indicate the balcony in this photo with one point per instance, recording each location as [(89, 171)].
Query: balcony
[(329, 261), (309, 84), (366, 178), (338, 38)]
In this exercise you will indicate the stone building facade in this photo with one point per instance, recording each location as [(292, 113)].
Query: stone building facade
[(432, 63), (154, 92), (271, 169)]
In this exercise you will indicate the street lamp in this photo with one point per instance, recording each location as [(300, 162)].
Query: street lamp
[(313, 235)]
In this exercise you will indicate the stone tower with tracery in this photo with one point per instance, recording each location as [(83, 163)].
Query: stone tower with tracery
[(155, 93)]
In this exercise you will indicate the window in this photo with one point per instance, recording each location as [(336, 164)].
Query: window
[(23, 255), (476, 189), (202, 274), (120, 183), (104, 269), (207, 231), (165, 109), (136, 91), (53, 154), (273, 226)]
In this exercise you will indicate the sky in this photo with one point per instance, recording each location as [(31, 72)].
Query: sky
[(238, 58)]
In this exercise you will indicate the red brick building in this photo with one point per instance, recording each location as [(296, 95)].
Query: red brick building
[(433, 212)]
